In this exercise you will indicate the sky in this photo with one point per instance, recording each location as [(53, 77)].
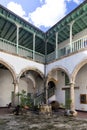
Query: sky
[(41, 13)]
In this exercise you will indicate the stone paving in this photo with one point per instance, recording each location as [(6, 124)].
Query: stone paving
[(35, 121)]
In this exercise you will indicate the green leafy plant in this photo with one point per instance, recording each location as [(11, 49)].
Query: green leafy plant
[(24, 99)]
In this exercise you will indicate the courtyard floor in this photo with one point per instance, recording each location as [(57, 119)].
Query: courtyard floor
[(35, 121)]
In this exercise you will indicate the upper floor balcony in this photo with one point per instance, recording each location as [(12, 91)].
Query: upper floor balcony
[(66, 37), (77, 45), (66, 50), (22, 51)]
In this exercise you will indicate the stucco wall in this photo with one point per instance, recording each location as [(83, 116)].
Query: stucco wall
[(60, 94), (68, 63), (18, 63), (6, 87), (81, 82)]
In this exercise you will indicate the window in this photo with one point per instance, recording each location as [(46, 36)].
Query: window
[(83, 98), (66, 80)]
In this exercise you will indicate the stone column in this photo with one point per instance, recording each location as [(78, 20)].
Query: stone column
[(72, 97), (16, 97), (34, 96), (46, 94)]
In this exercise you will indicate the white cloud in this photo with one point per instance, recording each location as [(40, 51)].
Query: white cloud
[(75, 1), (49, 13), (41, 1), (17, 9)]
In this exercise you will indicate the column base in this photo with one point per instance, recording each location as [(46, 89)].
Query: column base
[(46, 109), (70, 113)]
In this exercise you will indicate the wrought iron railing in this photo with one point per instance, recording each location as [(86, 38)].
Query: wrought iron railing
[(51, 92), (39, 99)]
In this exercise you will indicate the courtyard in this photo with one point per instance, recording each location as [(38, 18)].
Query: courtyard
[(36, 121)]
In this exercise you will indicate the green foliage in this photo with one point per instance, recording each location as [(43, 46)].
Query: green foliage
[(24, 99)]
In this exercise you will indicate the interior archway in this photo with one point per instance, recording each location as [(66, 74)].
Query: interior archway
[(7, 77), (81, 88), (61, 82), (33, 83)]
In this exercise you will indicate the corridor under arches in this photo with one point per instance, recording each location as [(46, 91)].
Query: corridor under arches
[(7, 77), (33, 83), (58, 81)]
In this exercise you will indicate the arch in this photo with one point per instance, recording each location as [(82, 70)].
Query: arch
[(77, 68), (10, 68), (53, 80), (34, 69), (31, 68), (59, 68)]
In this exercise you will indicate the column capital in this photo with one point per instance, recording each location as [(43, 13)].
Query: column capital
[(18, 25), (71, 24), (16, 81), (72, 83)]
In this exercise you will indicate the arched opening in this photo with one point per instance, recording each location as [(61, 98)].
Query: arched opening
[(59, 79), (51, 89), (32, 82), (7, 77), (81, 88)]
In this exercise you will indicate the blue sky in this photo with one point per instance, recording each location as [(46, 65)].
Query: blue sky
[(41, 13)]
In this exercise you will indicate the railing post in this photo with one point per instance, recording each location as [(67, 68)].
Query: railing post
[(71, 25), (34, 46), (17, 40)]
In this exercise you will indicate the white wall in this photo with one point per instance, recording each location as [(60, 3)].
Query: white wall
[(6, 87), (59, 93), (68, 63), (19, 63), (81, 82)]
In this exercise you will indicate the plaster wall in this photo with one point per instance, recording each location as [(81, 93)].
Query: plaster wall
[(19, 63), (81, 82), (23, 85), (59, 93), (6, 87), (39, 85), (67, 63)]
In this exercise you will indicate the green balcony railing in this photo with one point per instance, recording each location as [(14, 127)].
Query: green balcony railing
[(76, 45), (22, 51)]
